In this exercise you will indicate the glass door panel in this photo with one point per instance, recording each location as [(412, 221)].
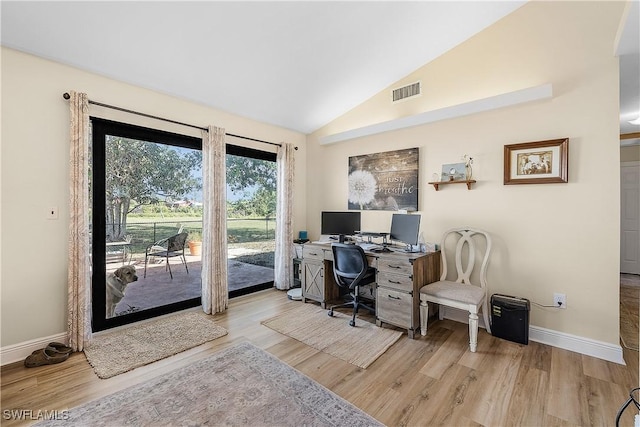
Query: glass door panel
[(251, 210), (149, 220)]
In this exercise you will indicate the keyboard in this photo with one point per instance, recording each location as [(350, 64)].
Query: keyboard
[(369, 246), (371, 233)]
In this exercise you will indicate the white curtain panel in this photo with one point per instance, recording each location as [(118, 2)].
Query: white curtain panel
[(79, 279), (283, 266), (215, 288)]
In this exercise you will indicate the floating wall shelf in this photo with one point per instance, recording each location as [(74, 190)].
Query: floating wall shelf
[(439, 183)]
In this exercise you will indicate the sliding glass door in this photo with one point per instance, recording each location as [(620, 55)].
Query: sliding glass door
[(251, 210), (146, 222)]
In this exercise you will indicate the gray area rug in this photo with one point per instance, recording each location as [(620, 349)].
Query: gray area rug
[(242, 385), (120, 351), (360, 345)]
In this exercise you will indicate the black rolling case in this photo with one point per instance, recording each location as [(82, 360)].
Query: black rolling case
[(510, 318)]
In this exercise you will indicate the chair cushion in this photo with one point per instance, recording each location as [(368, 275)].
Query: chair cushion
[(468, 294)]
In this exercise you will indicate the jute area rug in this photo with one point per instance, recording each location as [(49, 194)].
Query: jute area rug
[(629, 311), (360, 345), (241, 385), (123, 350)]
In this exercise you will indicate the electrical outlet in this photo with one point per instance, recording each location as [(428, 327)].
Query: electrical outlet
[(560, 300)]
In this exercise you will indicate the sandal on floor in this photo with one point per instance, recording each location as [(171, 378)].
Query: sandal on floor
[(45, 356), (56, 347), (60, 348)]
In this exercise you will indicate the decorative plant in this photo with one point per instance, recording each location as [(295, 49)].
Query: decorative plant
[(194, 240), (194, 236)]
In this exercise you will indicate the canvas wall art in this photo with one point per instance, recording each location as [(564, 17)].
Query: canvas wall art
[(384, 181)]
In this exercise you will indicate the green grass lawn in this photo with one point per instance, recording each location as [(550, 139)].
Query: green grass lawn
[(256, 234)]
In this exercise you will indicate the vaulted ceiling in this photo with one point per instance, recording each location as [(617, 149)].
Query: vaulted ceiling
[(298, 65)]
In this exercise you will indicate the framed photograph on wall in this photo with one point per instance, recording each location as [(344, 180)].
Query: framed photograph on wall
[(541, 162), (454, 172), (384, 181)]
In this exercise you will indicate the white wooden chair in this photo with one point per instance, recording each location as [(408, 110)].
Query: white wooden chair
[(461, 293)]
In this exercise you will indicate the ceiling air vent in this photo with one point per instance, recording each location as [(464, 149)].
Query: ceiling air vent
[(405, 92)]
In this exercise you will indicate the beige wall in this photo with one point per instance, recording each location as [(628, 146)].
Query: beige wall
[(35, 173), (548, 238), (630, 153)]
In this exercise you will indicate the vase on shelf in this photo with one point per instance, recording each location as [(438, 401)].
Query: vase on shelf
[(468, 161)]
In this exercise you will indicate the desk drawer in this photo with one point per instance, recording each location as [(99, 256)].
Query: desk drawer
[(398, 282), (396, 266), (394, 307), (313, 253)]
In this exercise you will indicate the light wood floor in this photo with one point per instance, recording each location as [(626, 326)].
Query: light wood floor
[(432, 380)]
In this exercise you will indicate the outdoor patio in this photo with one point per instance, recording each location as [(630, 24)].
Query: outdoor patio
[(159, 289)]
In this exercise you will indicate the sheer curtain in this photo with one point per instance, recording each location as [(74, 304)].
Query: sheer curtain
[(283, 268), (79, 281), (215, 289)]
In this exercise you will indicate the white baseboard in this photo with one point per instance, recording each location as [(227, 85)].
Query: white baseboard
[(582, 345), (18, 352)]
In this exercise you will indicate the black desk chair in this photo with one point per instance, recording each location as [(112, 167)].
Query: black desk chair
[(351, 270)]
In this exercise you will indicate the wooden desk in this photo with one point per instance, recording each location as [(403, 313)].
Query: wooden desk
[(399, 277)]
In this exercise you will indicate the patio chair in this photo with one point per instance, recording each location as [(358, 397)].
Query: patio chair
[(167, 248)]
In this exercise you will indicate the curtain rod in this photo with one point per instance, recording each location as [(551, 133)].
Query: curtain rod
[(113, 107)]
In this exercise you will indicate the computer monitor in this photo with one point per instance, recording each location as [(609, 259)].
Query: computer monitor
[(340, 223), (405, 229)]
